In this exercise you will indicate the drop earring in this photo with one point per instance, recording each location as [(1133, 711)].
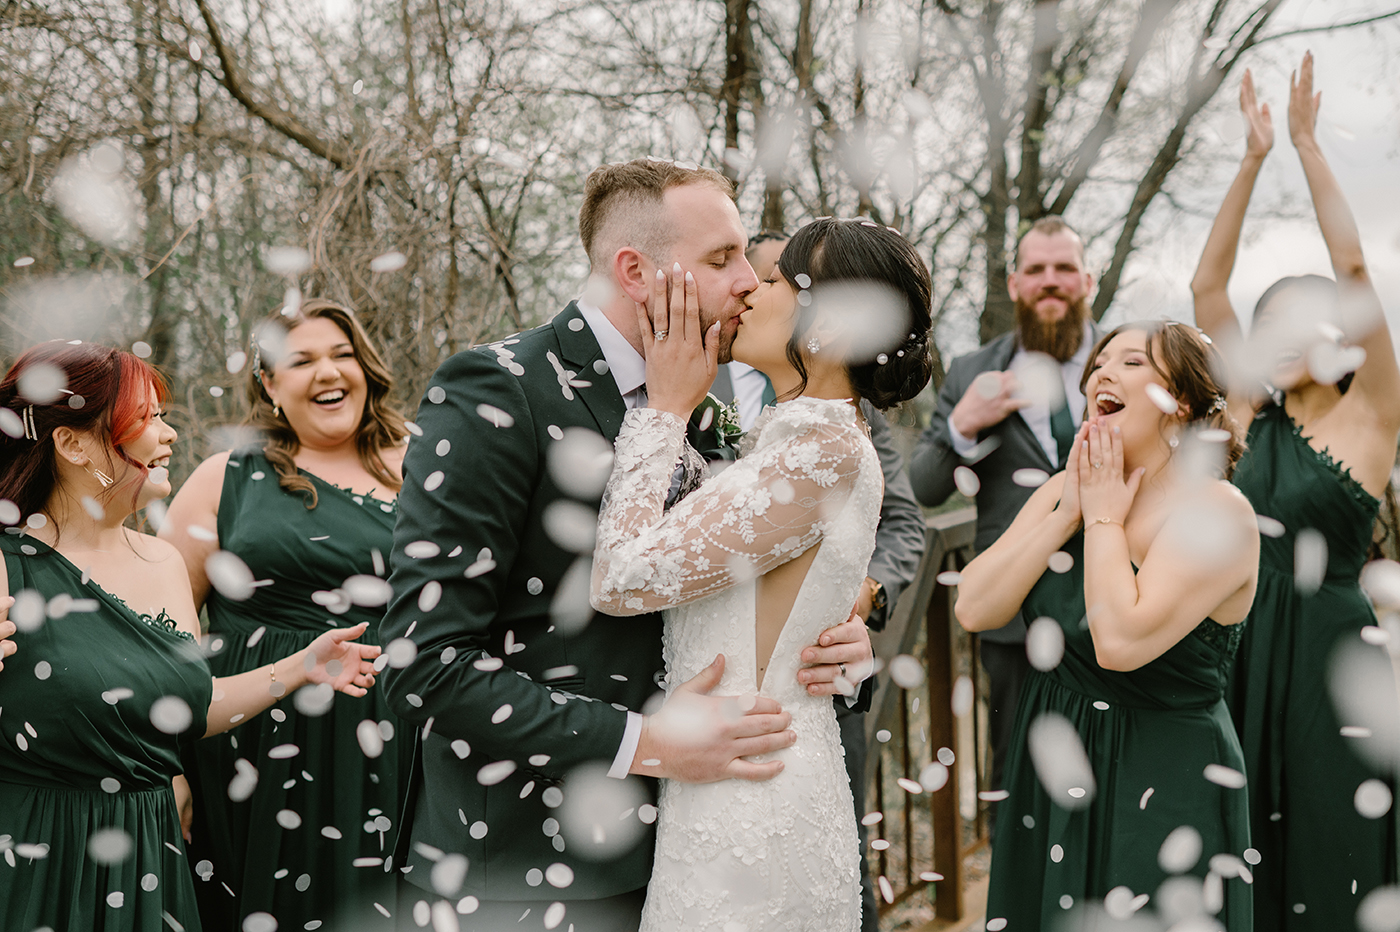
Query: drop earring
[(276, 410), (814, 346), (102, 478), (1173, 442)]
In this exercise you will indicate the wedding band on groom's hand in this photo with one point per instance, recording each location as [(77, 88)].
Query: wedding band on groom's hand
[(659, 334), (842, 667)]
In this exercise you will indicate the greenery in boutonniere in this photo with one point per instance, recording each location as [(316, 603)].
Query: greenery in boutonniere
[(718, 423)]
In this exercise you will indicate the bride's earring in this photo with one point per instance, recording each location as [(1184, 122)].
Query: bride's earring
[(276, 410), (102, 478), (814, 346), (1173, 441)]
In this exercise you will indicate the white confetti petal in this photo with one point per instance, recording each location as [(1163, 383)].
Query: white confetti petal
[(388, 262), (1030, 478), (967, 481), (109, 846), (907, 672), (229, 575), (171, 714), (1045, 644), (371, 741), (495, 772), (1224, 776)]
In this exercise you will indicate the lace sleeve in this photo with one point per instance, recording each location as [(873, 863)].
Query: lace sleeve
[(767, 509)]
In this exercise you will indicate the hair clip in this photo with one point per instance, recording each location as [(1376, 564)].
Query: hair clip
[(26, 416), (257, 352), (1219, 404)]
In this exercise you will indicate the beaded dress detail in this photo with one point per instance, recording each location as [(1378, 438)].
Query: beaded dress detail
[(737, 855)]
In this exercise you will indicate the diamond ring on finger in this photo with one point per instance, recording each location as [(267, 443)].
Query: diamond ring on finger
[(660, 334)]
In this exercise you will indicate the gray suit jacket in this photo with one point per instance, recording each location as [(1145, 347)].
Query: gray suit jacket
[(899, 539), (999, 500)]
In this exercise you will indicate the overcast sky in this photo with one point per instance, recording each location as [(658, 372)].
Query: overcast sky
[(1360, 133)]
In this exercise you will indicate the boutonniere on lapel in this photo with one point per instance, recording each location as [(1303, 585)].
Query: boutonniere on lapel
[(714, 429)]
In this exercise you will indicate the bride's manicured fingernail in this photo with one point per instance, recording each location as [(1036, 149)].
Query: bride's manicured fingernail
[(689, 279), (676, 267), (660, 275)]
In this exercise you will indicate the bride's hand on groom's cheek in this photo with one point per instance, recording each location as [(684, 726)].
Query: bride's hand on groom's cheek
[(840, 660), (699, 738)]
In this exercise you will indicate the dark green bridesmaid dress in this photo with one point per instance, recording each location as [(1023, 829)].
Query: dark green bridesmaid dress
[(1320, 856), (306, 845), (89, 835), (1156, 739)]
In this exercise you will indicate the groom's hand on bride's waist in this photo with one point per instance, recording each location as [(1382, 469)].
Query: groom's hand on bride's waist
[(840, 660), (699, 738)]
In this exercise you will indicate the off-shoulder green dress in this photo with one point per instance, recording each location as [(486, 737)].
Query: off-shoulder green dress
[(1164, 755), (1320, 857), (95, 707), (306, 843)]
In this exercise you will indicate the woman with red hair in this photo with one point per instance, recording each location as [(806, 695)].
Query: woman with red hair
[(106, 683)]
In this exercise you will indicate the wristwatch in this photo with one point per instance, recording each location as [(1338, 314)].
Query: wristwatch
[(878, 599)]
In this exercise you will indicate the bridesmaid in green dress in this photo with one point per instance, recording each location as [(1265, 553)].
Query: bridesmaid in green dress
[(310, 510), (1124, 776), (106, 685), (1317, 465)]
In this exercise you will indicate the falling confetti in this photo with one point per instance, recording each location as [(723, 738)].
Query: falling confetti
[(1309, 561), (109, 846), (590, 816), (42, 383), (371, 741), (368, 591), (1045, 644), (388, 262), (967, 482), (1373, 799), (580, 462), (171, 714), (1060, 761), (949, 579), (495, 416), (1030, 478), (963, 696), (1061, 562), (1162, 398), (1380, 910), (1224, 776), (1180, 851), (448, 874), (229, 575), (495, 772), (907, 672), (286, 260)]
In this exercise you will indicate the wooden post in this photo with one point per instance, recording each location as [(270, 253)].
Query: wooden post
[(947, 815)]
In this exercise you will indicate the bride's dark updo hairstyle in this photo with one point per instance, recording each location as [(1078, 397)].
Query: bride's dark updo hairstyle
[(1194, 372), (106, 391), (828, 251)]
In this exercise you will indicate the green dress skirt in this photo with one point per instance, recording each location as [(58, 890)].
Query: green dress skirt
[(1164, 756), (95, 708), (309, 841), (1320, 856)]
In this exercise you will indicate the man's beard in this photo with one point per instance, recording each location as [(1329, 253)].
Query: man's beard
[(1061, 338)]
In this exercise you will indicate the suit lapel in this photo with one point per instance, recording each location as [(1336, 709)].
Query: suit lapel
[(579, 351), (1018, 422)]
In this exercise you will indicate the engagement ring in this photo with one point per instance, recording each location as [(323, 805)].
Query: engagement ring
[(1098, 465), (660, 334)]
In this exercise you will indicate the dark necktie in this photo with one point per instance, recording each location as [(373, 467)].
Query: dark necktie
[(1062, 429), (769, 396)]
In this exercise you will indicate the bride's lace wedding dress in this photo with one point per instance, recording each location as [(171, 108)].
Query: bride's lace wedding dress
[(740, 856)]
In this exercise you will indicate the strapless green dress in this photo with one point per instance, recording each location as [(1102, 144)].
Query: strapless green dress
[(89, 835), (1320, 856), (1156, 739), (307, 845)]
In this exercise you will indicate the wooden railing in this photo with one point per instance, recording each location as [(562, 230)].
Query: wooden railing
[(924, 715)]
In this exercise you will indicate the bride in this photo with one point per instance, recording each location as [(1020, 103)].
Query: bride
[(762, 558)]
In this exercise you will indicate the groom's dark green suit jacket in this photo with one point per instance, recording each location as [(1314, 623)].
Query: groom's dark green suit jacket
[(477, 488)]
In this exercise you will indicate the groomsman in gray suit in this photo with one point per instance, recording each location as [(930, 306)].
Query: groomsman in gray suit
[(987, 420), (899, 538)]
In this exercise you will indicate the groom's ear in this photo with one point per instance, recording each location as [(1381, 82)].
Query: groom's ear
[(633, 271)]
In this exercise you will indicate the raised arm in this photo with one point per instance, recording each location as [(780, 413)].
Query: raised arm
[(1377, 380), (1214, 314), (733, 528), (996, 583)]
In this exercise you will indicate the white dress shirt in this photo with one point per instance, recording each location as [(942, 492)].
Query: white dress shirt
[(1037, 413), (629, 371), (749, 384)]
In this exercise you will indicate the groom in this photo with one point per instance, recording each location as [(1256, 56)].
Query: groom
[(511, 681)]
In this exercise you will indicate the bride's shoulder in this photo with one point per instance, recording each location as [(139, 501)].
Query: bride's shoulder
[(831, 424)]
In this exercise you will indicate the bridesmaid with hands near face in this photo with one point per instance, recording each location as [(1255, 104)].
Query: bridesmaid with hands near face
[(1131, 644)]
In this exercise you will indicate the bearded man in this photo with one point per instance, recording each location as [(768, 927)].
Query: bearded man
[(1014, 404)]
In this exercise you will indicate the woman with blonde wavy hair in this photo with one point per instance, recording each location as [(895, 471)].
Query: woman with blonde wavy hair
[(284, 810)]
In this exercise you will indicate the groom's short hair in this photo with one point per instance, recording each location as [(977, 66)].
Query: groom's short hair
[(622, 206)]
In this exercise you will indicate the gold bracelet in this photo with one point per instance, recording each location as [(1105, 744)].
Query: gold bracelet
[(1103, 521), (272, 671)]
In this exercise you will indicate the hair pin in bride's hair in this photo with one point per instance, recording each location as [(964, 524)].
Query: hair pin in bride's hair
[(26, 416)]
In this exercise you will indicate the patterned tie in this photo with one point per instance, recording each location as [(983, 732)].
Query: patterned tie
[(1062, 429)]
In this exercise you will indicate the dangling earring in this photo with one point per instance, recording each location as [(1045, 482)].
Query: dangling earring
[(276, 410), (814, 346), (102, 478), (1173, 442)]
